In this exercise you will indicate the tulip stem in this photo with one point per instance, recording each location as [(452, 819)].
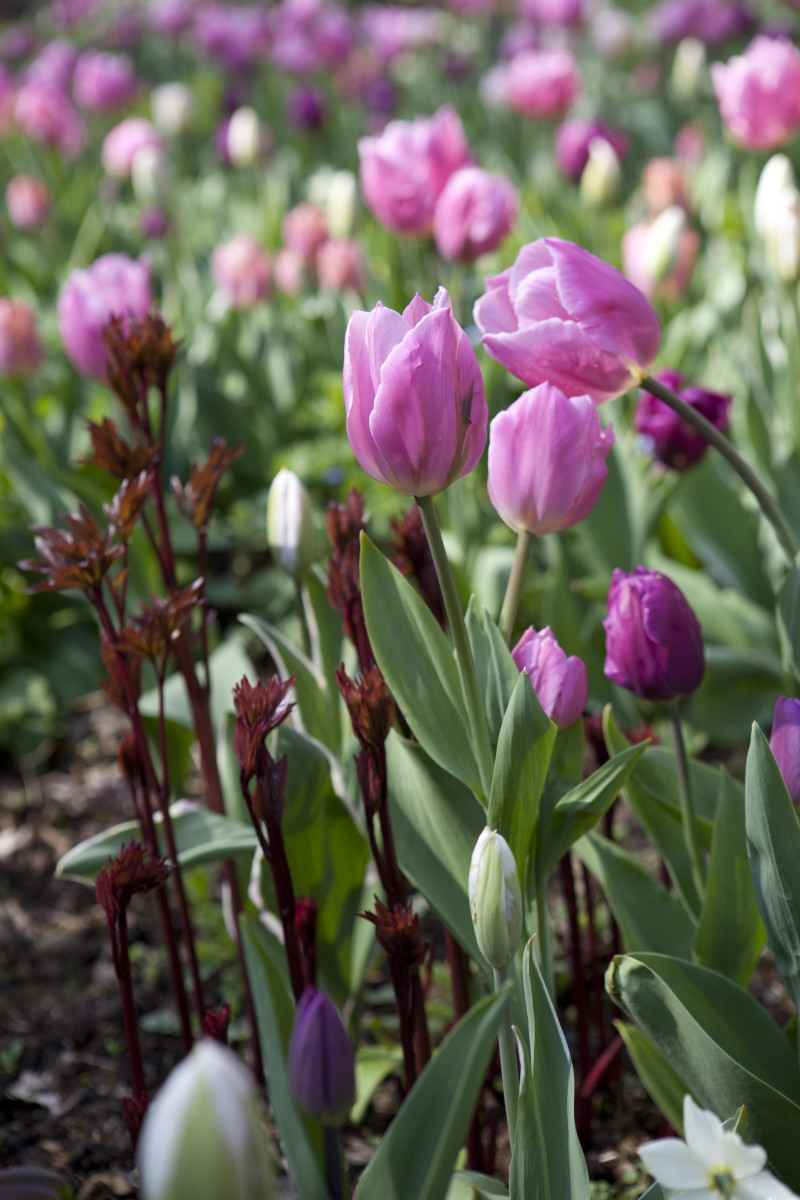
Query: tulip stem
[(466, 664), (508, 613), (333, 1162), (688, 820), (508, 1063), (767, 503)]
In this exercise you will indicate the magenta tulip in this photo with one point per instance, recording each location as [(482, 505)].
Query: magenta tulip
[(547, 460), (573, 139), (123, 143), (113, 286), (543, 83), (673, 441), (474, 214), (561, 683), (20, 348), (562, 316), (413, 392), (785, 743), (759, 93), (28, 202), (103, 82), (45, 113)]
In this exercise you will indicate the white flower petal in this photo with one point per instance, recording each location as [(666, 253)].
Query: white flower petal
[(673, 1163), (763, 1186), (703, 1193), (704, 1133)]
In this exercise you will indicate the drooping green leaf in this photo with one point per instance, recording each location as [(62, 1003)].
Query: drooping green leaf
[(497, 673), (662, 1081), (416, 1157), (200, 835), (731, 934), (471, 1185), (773, 848), (547, 1163), (418, 665), (722, 1043), (373, 1064), (648, 915), (302, 1140), (523, 754)]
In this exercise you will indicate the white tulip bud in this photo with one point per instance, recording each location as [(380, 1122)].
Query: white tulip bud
[(290, 524), (495, 899), (150, 175), (663, 242), (203, 1136), (600, 176), (776, 216), (245, 137), (688, 67), (172, 106), (775, 180)]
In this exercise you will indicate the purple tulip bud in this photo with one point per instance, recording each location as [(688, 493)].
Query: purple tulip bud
[(547, 460), (785, 743), (560, 682), (413, 392), (654, 647), (321, 1063), (673, 441)]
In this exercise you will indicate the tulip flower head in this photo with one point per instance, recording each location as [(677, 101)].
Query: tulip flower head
[(20, 349), (241, 271), (290, 524), (413, 393), (562, 316), (670, 439), (474, 214), (495, 899), (561, 682), (712, 1162), (785, 743), (654, 647), (321, 1062), (759, 93), (113, 286)]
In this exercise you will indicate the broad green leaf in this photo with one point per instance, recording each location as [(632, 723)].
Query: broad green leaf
[(227, 665), (302, 1140), (722, 1043), (577, 812), (200, 835), (418, 665), (319, 711), (548, 1163), (520, 770), (773, 847), (373, 1064), (662, 1081), (648, 915), (566, 761), (738, 686), (324, 626), (436, 822), (471, 1185), (497, 673), (730, 935), (416, 1157)]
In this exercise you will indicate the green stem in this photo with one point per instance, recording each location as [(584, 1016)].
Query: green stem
[(508, 1063), (508, 612), (766, 502), (687, 806), (466, 663)]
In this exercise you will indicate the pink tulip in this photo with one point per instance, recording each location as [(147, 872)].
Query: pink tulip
[(562, 13), (54, 65), (45, 113), (124, 141), (413, 392), (290, 272), (113, 286), (659, 256), (784, 743), (543, 83), (664, 184), (340, 265), (28, 203), (759, 93), (562, 316), (547, 460), (304, 228), (561, 683), (241, 271), (103, 82), (474, 214), (20, 348), (404, 169)]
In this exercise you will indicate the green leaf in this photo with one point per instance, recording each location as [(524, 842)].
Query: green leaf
[(730, 935), (471, 1185), (577, 812), (33, 1183), (773, 847), (418, 665), (723, 1045), (301, 1139), (738, 686), (648, 915), (324, 626), (201, 836), (496, 670), (548, 1163), (436, 822), (788, 621), (373, 1064), (524, 747), (416, 1157), (227, 665), (662, 1081), (180, 741)]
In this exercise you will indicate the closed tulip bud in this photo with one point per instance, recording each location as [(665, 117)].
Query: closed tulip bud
[(688, 67), (654, 647), (124, 142), (474, 214), (562, 316), (247, 139), (495, 899), (785, 743), (601, 174), (321, 1063), (560, 681), (203, 1136), (673, 441), (172, 106), (290, 524), (241, 271), (776, 216), (113, 286), (413, 392)]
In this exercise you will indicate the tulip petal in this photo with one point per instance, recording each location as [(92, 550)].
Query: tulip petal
[(558, 352), (369, 338)]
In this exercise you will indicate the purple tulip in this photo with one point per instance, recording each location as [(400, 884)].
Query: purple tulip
[(709, 21), (413, 392), (543, 83), (573, 139), (564, 14), (654, 647), (759, 93), (562, 316), (321, 1063), (103, 82), (547, 460), (560, 682), (785, 743), (234, 35), (54, 64), (113, 286), (474, 214), (305, 108), (674, 442)]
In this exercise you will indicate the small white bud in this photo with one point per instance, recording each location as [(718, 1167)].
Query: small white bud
[(495, 899), (290, 524), (688, 67), (245, 137), (600, 176), (172, 106), (150, 175)]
